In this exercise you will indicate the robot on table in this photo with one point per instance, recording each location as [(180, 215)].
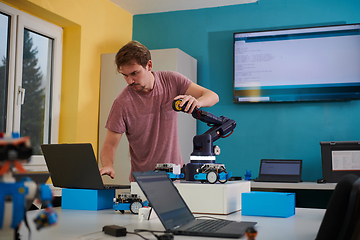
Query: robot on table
[(173, 170), (202, 166), (14, 195), (129, 201)]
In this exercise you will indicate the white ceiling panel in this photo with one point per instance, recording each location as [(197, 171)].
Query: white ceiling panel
[(155, 6)]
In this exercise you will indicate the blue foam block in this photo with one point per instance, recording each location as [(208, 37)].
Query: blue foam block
[(268, 204), (87, 199)]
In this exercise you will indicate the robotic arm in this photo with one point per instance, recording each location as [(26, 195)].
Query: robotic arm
[(221, 127), (202, 164)]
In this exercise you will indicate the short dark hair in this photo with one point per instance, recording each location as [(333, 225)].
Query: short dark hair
[(132, 50)]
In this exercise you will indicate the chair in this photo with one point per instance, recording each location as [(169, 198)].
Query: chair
[(342, 217)]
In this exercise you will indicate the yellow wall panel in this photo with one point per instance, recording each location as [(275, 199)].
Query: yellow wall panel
[(91, 27)]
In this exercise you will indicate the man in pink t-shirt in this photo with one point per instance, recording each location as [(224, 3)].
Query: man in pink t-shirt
[(143, 111)]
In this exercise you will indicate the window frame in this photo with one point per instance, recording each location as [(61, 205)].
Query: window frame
[(11, 61), (18, 22)]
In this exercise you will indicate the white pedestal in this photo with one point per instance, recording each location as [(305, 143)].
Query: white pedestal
[(207, 198)]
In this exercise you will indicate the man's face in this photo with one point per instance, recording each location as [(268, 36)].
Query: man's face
[(138, 77)]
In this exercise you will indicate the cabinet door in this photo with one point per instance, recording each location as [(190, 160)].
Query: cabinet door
[(111, 85), (174, 59)]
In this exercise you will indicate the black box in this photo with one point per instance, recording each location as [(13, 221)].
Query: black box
[(340, 159), (114, 230)]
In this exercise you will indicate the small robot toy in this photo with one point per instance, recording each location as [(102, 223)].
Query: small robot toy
[(14, 196), (173, 170), (128, 201), (212, 172)]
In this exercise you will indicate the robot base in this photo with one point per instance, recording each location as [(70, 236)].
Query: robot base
[(191, 170), (207, 172)]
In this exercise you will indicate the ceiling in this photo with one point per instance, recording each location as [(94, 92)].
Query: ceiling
[(155, 6)]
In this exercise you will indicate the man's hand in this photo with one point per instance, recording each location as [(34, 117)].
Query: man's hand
[(107, 153), (107, 171), (197, 97), (192, 102)]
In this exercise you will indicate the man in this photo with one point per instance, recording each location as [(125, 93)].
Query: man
[(143, 111)]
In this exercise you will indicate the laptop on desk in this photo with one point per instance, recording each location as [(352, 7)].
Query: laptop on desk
[(279, 170), (74, 166), (176, 216)]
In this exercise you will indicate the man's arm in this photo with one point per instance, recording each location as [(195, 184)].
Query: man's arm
[(107, 154), (198, 96)]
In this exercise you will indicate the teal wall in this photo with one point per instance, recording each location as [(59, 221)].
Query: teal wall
[(275, 130)]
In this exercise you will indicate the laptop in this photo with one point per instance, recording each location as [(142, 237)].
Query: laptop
[(75, 166), (176, 216), (280, 170)]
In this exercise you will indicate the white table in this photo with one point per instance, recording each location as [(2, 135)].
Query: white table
[(308, 194), (87, 225), (300, 185)]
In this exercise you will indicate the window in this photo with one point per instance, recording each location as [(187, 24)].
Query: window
[(4, 67), (30, 79)]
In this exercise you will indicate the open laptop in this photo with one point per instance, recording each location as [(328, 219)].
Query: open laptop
[(279, 170), (176, 216), (74, 166)]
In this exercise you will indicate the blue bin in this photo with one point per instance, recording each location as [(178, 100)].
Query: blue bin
[(87, 199), (268, 204)]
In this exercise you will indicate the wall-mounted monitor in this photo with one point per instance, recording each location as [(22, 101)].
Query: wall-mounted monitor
[(298, 64)]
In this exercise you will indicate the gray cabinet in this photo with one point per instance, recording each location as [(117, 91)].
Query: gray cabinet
[(112, 83)]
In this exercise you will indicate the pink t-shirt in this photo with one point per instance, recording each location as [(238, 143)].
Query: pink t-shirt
[(149, 121)]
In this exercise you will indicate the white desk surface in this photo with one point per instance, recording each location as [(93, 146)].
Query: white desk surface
[(300, 185), (258, 185), (87, 225)]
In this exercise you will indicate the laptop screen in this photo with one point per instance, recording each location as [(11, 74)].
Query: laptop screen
[(280, 170), (164, 198), (72, 165), (280, 167)]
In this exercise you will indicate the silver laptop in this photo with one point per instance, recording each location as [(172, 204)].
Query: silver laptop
[(280, 170), (74, 166), (176, 216)]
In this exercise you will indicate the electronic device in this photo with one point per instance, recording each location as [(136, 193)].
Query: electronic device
[(175, 215), (74, 166), (202, 164), (114, 230), (298, 64), (279, 170), (340, 158), (321, 181)]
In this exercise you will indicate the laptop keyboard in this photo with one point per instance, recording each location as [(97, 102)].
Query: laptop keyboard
[(277, 180), (116, 186), (209, 225)]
